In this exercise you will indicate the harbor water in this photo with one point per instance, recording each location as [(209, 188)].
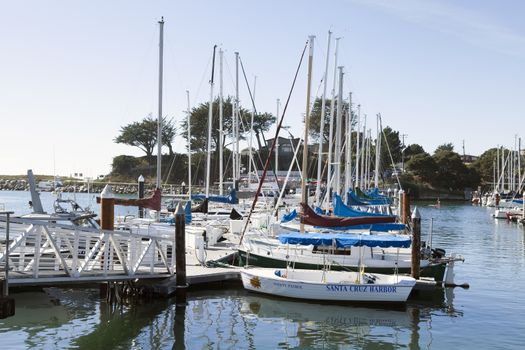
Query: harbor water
[(488, 315)]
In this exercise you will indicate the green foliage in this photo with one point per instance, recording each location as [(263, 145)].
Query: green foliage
[(485, 165), (125, 165), (452, 173), (445, 147), (315, 119), (394, 144), (143, 135), (422, 165), (412, 150), (199, 124)]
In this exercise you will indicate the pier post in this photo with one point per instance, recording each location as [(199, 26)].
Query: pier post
[(141, 194), (180, 255), (406, 208), (416, 243), (107, 209), (7, 304)]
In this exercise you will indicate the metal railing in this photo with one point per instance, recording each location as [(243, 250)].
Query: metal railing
[(40, 252)]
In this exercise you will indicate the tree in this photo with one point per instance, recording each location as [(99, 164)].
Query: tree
[(485, 165), (125, 165), (199, 124), (445, 147), (422, 165), (394, 145), (315, 119), (143, 135), (412, 150), (452, 173)]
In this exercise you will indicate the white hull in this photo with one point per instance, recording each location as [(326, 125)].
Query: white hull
[(327, 286)]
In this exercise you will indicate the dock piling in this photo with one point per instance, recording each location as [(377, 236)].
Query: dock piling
[(180, 255), (416, 243), (141, 194), (107, 209)]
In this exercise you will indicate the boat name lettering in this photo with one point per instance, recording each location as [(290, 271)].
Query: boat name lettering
[(346, 288), (286, 285), (360, 288)]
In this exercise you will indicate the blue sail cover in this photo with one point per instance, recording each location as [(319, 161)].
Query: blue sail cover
[(518, 201), (345, 240), (289, 217), (319, 211), (340, 209), (353, 199), (230, 199), (373, 227)]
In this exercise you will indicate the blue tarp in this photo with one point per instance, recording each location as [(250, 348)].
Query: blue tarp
[(373, 227), (518, 201), (340, 209), (231, 198), (353, 199), (289, 217), (345, 240)]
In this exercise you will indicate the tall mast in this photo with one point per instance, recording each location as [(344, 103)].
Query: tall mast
[(210, 125), (221, 132), (189, 143), (363, 153), (332, 121), (237, 133), (304, 190), (348, 162), (519, 163), (251, 135), (338, 131), (277, 143), (358, 147), (321, 130), (159, 121), (378, 151)]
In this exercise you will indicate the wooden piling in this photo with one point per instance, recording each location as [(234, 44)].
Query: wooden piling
[(141, 194), (180, 255), (416, 243), (107, 209), (406, 208)]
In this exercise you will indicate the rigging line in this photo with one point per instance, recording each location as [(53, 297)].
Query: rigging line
[(388, 148), (260, 129), (196, 95), (273, 143)]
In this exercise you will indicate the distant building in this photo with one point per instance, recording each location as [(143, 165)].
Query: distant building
[(468, 158)]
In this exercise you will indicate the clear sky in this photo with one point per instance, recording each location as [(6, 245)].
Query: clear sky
[(73, 72)]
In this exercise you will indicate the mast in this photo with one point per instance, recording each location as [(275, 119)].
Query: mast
[(189, 143), (277, 144), (321, 131), (519, 164), (332, 120), (339, 125), (210, 125), (304, 190), (236, 121), (358, 147), (348, 162), (159, 121), (363, 153), (221, 132), (251, 136), (378, 151)]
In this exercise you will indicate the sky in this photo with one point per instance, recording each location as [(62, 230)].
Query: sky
[(73, 72)]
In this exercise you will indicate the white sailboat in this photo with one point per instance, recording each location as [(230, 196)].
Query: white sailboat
[(325, 285)]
